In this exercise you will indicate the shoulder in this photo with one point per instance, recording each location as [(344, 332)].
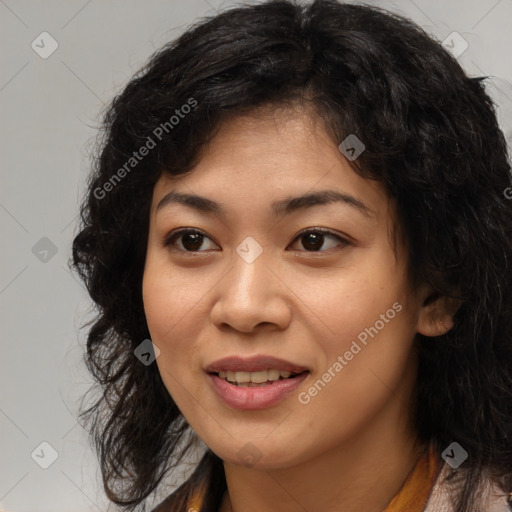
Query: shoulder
[(492, 498)]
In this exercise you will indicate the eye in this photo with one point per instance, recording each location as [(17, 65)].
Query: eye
[(314, 239), (191, 240)]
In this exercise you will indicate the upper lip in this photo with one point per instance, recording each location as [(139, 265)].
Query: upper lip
[(253, 364)]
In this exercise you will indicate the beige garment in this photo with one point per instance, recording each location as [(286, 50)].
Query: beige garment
[(492, 498)]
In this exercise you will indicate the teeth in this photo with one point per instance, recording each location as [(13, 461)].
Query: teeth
[(257, 377), (243, 377), (254, 377)]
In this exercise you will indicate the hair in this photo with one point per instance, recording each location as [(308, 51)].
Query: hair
[(431, 138)]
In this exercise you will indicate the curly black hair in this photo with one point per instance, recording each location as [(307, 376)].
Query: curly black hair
[(431, 137)]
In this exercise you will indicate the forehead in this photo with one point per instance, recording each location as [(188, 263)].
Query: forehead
[(271, 154)]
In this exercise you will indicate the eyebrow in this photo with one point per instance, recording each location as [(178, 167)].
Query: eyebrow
[(282, 207)]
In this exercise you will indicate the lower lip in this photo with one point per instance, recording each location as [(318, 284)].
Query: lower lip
[(251, 398)]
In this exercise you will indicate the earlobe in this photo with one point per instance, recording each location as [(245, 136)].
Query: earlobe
[(436, 325), (436, 315)]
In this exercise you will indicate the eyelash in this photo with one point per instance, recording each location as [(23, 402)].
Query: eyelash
[(169, 240)]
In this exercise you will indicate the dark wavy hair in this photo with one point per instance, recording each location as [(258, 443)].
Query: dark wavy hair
[(432, 138)]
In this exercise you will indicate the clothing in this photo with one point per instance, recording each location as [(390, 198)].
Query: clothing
[(415, 492), (494, 499), (423, 491)]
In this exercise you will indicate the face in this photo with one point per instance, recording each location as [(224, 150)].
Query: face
[(316, 283)]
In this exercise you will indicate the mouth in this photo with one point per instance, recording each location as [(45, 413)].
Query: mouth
[(257, 379), (237, 390)]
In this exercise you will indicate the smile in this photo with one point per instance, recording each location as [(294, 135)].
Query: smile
[(252, 379), (254, 395)]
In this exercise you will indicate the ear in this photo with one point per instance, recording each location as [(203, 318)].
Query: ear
[(436, 314)]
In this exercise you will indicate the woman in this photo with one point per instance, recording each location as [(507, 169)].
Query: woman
[(298, 237)]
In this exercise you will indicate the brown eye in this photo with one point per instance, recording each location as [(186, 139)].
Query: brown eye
[(314, 239), (191, 240)]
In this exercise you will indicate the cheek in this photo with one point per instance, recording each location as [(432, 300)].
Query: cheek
[(162, 314), (372, 331), (171, 308), (370, 365), (168, 299), (357, 300)]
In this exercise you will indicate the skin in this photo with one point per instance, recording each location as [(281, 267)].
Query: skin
[(352, 446)]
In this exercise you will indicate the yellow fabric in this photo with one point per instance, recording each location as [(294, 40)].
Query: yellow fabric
[(195, 502), (412, 497), (415, 492)]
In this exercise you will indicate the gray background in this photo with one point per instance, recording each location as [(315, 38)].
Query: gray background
[(49, 111)]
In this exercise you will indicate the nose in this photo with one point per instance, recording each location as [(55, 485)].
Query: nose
[(251, 295)]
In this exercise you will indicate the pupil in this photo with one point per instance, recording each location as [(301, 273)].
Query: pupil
[(196, 241), (317, 241)]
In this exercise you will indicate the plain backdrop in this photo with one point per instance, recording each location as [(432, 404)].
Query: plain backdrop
[(49, 112)]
